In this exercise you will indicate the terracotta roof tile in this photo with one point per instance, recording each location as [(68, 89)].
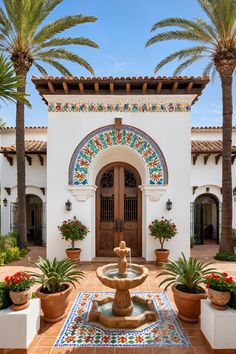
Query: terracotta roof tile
[(209, 128), (8, 128), (202, 146), (38, 146), (31, 146), (177, 85)]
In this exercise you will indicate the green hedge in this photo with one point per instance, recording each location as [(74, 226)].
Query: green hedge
[(9, 251), (5, 300)]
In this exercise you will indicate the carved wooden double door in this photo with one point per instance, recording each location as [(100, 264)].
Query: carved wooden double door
[(118, 209)]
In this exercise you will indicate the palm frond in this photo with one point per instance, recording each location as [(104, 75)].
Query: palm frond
[(186, 64), (60, 67), (207, 69), (40, 69), (59, 26), (180, 54), (186, 24), (64, 54), (67, 41), (189, 35), (9, 83)]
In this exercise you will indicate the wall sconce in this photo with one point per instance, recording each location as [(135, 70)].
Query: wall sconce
[(4, 202), (169, 204), (68, 205), (234, 193)]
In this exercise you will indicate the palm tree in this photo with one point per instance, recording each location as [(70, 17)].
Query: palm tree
[(215, 41), (8, 85), (28, 42)]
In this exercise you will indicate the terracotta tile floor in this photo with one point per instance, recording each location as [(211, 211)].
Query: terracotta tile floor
[(43, 342)]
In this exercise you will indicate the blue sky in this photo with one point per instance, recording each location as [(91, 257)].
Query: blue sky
[(122, 28)]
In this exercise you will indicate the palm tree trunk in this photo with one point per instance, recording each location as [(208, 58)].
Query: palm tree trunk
[(226, 242), (20, 158)]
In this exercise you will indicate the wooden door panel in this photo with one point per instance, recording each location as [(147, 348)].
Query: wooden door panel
[(130, 232), (118, 200), (106, 240)]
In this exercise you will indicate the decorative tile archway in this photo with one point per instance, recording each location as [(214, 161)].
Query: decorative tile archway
[(106, 137)]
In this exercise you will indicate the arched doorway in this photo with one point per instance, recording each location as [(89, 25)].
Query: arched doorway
[(34, 219), (206, 218), (118, 209)]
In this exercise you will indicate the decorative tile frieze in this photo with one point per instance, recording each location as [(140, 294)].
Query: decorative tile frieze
[(118, 107), (106, 137)]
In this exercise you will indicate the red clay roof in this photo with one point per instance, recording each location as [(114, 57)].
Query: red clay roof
[(40, 147), (3, 129), (202, 146), (31, 146), (177, 85)]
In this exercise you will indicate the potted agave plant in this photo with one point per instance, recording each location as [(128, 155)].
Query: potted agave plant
[(73, 230), (56, 279), (19, 290), (185, 276), (163, 230)]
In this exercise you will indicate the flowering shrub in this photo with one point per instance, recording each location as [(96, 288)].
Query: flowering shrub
[(220, 282), (163, 230), (20, 281), (73, 230)]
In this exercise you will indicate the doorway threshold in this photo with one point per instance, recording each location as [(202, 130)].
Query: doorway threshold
[(138, 260)]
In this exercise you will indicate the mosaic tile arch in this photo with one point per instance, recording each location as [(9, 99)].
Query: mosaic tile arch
[(103, 138)]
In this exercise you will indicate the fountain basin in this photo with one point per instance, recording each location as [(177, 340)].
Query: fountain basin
[(107, 275), (143, 312)]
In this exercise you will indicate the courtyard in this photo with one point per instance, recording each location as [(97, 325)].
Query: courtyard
[(45, 339)]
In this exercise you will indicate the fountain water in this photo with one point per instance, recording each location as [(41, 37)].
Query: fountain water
[(122, 311)]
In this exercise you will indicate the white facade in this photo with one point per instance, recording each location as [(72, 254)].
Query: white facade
[(171, 131)]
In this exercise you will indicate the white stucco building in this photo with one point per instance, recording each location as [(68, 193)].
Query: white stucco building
[(118, 149)]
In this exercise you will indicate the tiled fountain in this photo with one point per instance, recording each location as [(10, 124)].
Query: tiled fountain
[(122, 310)]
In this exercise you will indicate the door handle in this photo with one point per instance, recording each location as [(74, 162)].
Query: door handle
[(116, 226), (121, 225)]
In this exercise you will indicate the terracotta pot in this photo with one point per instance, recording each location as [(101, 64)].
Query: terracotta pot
[(188, 305), (20, 299), (162, 256), (54, 305), (219, 299), (74, 254)]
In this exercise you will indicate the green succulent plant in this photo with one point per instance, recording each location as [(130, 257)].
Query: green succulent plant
[(55, 274), (187, 274)]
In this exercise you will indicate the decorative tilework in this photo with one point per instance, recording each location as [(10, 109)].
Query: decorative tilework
[(105, 137), (78, 332), (119, 107)]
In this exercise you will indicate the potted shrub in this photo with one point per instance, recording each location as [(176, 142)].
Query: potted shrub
[(20, 293), (56, 281), (73, 230), (185, 276), (219, 289), (163, 230)]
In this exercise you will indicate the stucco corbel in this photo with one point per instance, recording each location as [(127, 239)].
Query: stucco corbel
[(153, 192), (83, 193)]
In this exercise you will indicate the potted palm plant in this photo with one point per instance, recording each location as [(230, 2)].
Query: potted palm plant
[(56, 279), (185, 276), (73, 230), (163, 230)]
